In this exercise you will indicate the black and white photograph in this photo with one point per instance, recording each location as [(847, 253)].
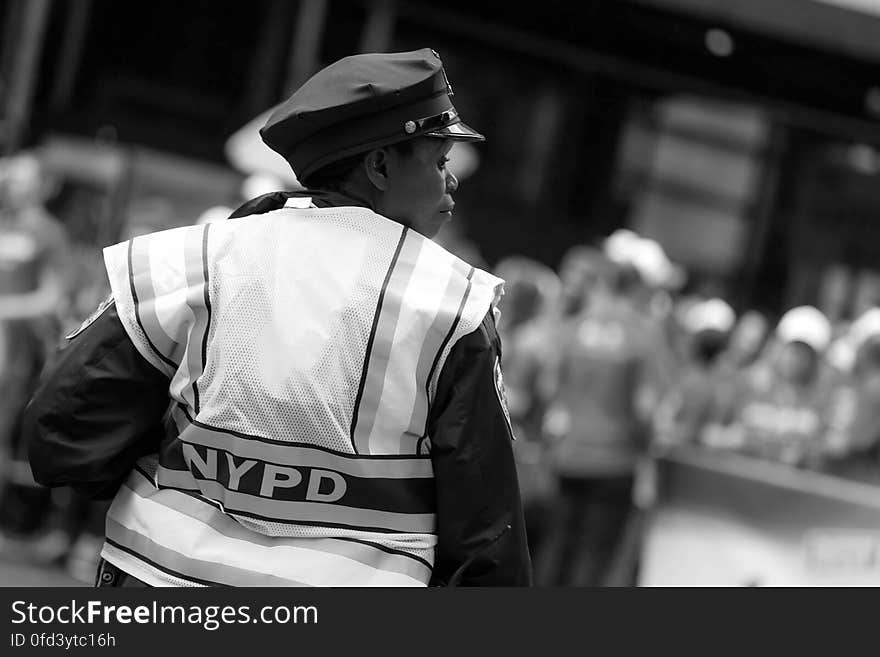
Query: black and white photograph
[(398, 293)]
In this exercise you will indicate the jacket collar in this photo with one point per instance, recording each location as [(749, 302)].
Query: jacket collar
[(277, 200)]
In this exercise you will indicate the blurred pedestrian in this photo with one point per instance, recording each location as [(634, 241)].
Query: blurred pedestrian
[(34, 268), (852, 446), (747, 341), (598, 429), (649, 277), (582, 267), (779, 411), (687, 407)]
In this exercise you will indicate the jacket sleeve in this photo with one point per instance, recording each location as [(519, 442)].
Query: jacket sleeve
[(480, 526), (98, 408)]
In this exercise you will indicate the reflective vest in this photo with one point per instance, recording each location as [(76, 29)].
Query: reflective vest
[(303, 348)]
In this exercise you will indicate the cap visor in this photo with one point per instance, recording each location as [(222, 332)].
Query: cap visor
[(457, 131)]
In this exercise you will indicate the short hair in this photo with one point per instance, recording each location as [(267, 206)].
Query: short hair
[(332, 176)]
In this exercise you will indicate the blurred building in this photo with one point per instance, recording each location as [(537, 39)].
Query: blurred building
[(741, 135)]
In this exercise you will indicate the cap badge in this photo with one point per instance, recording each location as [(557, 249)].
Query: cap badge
[(409, 127)]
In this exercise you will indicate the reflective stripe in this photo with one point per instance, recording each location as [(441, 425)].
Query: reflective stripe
[(360, 549), (190, 538), (179, 479), (206, 572), (483, 292), (150, 574), (144, 297), (365, 368), (197, 298), (440, 328), (314, 512), (436, 365), (389, 466), (380, 353), (402, 389), (294, 482), (299, 483), (183, 464)]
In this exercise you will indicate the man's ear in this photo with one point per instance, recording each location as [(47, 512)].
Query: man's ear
[(376, 168)]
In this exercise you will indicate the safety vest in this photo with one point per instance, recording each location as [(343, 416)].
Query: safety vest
[(303, 348)]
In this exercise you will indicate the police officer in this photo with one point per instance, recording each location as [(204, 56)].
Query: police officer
[(302, 395)]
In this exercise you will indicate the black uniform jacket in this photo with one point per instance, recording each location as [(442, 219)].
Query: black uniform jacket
[(100, 406)]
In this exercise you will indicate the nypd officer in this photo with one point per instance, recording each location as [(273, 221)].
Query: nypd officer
[(301, 396)]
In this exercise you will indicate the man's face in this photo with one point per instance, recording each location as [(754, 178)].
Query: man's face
[(419, 186)]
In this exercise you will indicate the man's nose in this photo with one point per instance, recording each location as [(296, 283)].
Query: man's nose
[(451, 182)]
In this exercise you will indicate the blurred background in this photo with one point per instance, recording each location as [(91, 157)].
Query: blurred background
[(681, 195)]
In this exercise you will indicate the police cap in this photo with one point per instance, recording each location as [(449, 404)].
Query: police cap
[(364, 102)]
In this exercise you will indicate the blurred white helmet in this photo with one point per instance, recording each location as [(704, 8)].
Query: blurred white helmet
[(247, 152), (843, 351), (710, 315), (216, 213), (865, 327), (650, 260), (805, 324), (258, 184), (624, 247), (621, 246), (654, 265)]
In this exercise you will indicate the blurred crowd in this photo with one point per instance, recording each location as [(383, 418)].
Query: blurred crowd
[(48, 284), (607, 360)]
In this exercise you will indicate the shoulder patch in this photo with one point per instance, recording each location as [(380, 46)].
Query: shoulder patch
[(502, 395), (104, 305)]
